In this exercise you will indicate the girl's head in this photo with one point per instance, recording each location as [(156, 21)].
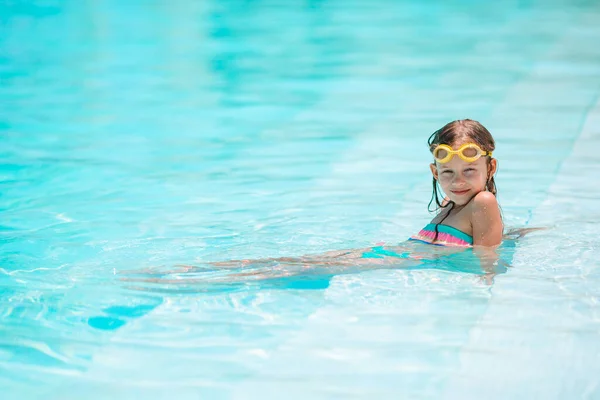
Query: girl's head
[(463, 165)]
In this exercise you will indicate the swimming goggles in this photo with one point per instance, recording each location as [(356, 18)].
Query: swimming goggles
[(469, 152)]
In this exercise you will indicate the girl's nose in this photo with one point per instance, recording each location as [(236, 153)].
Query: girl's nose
[(458, 180)]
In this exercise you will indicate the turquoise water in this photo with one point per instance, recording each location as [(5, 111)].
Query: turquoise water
[(138, 136)]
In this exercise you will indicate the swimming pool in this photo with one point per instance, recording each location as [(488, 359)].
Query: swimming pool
[(141, 136)]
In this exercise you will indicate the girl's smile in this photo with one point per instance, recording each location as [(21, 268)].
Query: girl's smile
[(459, 192)]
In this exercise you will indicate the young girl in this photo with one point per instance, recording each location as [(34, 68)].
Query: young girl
[(464, 169), (468, 216)]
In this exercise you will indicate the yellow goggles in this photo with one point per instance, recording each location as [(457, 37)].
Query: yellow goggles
[(469, 152)]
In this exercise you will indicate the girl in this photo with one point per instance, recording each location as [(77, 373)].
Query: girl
[(468, 216), (464, 169)]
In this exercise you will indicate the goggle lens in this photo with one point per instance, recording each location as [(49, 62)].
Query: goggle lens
[(440, 154), (470, 152)]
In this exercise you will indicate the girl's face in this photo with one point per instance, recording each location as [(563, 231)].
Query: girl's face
[(461, 180)]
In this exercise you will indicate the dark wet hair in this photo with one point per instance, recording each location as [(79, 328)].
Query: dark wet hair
[(462, 130)]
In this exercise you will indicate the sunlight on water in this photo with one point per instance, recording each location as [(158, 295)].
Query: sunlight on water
[(145, 145)]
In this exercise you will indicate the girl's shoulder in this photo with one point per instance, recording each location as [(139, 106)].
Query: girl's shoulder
[(485, 199), (484, 203)]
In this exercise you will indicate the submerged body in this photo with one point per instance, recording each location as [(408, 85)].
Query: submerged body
[(284, 271)]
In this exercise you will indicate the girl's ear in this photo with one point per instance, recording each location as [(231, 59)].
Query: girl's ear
[(492, 167), (434, 171)]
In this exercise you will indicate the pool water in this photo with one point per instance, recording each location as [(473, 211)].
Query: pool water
[(140, 136)]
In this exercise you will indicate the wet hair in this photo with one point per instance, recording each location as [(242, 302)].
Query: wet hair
[(462, 130)]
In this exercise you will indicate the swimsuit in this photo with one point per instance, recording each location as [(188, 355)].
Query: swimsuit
[(447, 236)]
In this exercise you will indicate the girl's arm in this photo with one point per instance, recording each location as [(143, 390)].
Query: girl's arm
[(487, 234), (486, 220)]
